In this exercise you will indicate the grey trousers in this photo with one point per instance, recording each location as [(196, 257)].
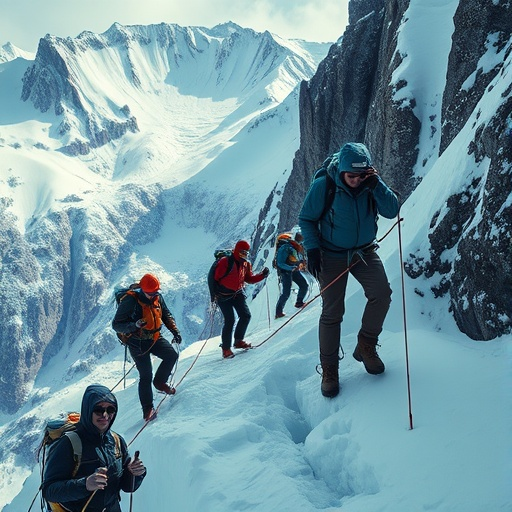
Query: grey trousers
[(371, 275)]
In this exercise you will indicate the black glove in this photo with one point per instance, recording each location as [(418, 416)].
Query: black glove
[(265, 272), (314, 262), (177, 337), (371, 182)]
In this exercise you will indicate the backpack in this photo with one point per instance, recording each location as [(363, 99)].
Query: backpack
[(151, 313), (65, 425), (283, 238), (212, 284), (330, 189)]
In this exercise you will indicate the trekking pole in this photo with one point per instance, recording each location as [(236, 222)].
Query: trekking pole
[(124, 365), (268, 306), (88, 501), (137, 453), (405, 322)]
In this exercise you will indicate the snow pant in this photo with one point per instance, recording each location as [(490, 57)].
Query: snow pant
[(141, 351), (286, 277), (228, 307), (371, 275)]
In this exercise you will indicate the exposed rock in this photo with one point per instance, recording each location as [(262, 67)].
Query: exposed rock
[(351, 97)]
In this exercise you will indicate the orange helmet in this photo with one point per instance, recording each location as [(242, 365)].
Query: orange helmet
[(149, 283)]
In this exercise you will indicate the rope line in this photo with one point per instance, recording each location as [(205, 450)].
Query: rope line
[(397, 222)]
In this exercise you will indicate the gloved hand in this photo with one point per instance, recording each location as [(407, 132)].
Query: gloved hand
[(140, 323), (177, 337), (372, 180), (265, 272), (314, 262)]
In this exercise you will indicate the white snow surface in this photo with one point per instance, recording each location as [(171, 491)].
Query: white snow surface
[(254, 432)]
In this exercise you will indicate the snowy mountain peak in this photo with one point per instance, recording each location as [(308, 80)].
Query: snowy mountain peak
[(94, 83), (10, 52)]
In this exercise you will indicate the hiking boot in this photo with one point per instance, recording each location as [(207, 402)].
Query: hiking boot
[(299, 304), (366, 353), (330, 380), (227, 353), (280, 315), (163, 386), (149, 415), (241, 344)]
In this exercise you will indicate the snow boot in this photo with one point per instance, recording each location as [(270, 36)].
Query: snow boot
[(227, 353), (366, 353), (242, 344), (280, 315), (149, 414), (163, 386), (299, 304), (330, 380)]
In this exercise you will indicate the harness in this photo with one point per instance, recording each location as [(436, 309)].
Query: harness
[(151, 314)]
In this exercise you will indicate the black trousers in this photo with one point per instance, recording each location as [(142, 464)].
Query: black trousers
[(372, 277), (141, 351), (228, 307)]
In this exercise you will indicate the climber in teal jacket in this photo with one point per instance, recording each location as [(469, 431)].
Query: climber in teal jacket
[(345, 236)]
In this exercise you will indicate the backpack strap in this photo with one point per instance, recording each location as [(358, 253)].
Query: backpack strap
[(330, 192), (76, 443), (117, 440), (231, 262)]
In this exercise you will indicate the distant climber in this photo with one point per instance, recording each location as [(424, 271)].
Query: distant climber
[(290, 264), (230, 296)]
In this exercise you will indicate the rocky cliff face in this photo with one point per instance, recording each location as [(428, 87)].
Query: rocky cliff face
[(52, 279), (358, 94)]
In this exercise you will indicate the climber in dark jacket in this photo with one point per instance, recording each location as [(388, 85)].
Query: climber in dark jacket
[(140, 316), (105, 468)]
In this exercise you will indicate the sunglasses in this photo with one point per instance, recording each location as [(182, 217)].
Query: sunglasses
[(245, 253), (100, 411), (359, 176)]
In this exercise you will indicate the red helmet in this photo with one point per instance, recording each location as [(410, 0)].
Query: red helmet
[(149, 283)]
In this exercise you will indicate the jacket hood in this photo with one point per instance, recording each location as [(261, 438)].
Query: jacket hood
[(94, 394), (241, 245), (354, 157)]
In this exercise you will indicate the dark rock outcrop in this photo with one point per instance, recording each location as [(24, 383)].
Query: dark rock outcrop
[(353, 97)]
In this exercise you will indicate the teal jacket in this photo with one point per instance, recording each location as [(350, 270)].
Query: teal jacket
[(351, 222)]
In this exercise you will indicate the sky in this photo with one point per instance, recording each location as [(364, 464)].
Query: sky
[(24, 22)]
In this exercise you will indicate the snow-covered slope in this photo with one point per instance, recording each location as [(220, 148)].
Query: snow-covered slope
[(171, 128), (254, 433)]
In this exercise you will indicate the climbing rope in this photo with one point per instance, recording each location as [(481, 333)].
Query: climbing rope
[(397, 222)]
